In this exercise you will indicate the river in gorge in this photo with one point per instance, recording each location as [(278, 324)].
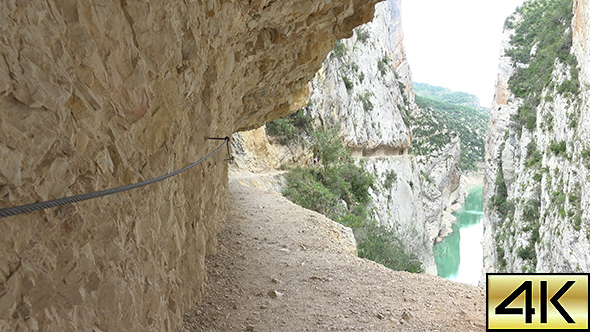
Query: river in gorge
[(459, 256)]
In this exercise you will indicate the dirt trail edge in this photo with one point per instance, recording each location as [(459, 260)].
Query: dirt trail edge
[(281, 267)]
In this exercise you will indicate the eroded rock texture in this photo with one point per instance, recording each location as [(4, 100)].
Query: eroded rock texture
[(97, 94)]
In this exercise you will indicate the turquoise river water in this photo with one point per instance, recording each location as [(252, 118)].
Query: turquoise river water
[(459, 256)]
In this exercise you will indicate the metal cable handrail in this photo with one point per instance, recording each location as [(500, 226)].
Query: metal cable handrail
[(16, 210)]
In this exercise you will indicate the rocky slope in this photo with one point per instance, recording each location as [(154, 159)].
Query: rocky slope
[(104, 93), (536, 180)]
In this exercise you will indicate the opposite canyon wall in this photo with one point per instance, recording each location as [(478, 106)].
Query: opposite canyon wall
[(536, 183), (100, 94)]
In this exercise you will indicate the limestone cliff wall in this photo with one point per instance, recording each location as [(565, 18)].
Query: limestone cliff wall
[(544, 226), (364, 87), (97, 94)]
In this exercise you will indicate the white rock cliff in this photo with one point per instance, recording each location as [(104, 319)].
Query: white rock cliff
[(546, 228)]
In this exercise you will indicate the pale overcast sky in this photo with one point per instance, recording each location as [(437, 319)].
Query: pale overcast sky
[(456, 43)]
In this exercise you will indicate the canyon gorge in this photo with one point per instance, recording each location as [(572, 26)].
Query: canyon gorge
[(106, 93)]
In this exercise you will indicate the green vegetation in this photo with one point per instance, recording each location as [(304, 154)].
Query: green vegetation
[(558, 201), (390, 178), (383, 64), (528, 253), (426, 177), (575, 205), (534, 156), (339, 50), (541, 36), (347, 83), (327, 144), (365, 99), (385, 247), (445, 95), (340, 190), (362, 34), (559, 148), (531, 216), (470, 123), (290, 127), (500, 202), (502, 263), (526, 116), (585, 154)]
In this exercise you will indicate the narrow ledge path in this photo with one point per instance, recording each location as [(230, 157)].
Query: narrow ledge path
[(281, 267)]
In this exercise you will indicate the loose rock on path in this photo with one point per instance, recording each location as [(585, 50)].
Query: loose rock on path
[(281, 267)]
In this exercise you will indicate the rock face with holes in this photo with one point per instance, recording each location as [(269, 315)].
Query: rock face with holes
[(100, 94), (536, 199)]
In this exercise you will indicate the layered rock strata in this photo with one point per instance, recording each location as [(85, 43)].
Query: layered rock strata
[(105, 93)]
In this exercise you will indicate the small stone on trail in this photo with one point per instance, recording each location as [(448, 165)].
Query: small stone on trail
[(380, 316), (276, 281), (274, 294), (407, 315), (250, 328)]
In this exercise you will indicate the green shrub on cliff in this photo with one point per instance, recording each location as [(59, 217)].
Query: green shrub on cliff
[(383, 64), (559, 148), (289, 127), (362, 34), (347, 83), (340, 190), (542, 37), (365, 100), (534, 156), (380, 244), (390, 178), (339, 49), (500, 202)]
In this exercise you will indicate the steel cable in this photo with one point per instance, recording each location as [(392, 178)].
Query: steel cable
[(16, 210)]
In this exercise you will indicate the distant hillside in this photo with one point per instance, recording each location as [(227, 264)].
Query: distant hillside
[(446, 95), (470, 122)]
